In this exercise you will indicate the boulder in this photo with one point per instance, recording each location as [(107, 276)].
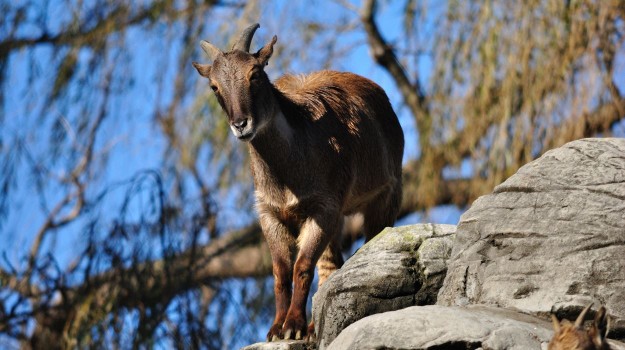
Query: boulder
[(550, 239), (400, 267), (282, 345), (448, 327)]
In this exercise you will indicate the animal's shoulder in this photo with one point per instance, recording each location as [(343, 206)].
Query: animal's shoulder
[(330, 92), (326, 80)]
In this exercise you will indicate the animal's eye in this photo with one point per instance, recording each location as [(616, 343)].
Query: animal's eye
[(255, 76), (214, 87)]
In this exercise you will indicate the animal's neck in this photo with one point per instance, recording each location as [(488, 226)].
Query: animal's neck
[(273, 144)]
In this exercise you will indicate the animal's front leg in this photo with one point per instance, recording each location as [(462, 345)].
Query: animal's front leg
[(316, 233), (282, 247)]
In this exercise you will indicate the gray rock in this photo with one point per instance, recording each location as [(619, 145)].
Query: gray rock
[(442, 327), (448, 327), (282, 345), (550, 239), (400, 267)]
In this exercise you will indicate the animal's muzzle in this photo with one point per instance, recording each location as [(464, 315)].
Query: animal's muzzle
[(240, 124), (242, 128)]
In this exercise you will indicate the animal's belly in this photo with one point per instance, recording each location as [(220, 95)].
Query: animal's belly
[(360, 198), (293, 207)]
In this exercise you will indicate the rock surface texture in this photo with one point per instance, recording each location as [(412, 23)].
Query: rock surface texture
[(282, 345), (400, 267), (550, 239), (448, 327), (445, 327)]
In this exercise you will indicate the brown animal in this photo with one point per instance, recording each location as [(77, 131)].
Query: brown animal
[(570, 336), (322, 146)]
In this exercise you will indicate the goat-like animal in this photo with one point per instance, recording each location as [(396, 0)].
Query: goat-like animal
[(573, 336), (322, 146)]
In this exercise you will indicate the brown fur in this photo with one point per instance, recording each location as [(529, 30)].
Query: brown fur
[(322, 146), (573, 336)]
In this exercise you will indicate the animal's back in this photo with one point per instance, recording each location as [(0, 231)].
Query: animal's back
[(354, 101), (353, 120)]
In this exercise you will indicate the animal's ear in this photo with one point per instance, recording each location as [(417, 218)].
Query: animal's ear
[(203, 69), (265, 53), (601, 323)]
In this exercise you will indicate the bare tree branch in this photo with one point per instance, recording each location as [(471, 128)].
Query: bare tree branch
[(590, 124), (74, 177), (118, 19), (384, 55), (239, 254)]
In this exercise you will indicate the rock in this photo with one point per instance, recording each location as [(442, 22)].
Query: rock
[(282, 345), (445, 327), (400, 267), (550, 239), (448, 327)]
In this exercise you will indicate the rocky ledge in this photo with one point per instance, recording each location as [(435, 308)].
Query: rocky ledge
[(549, 240)]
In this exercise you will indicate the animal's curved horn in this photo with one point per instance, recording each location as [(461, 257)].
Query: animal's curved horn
[(211, 50), (555, 323), (246, 38), (582, 316)]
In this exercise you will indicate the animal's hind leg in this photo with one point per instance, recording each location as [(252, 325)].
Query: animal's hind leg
[(382, 211), (330, 261)]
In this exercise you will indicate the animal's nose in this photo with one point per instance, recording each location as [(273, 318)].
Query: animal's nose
[(240, 124)]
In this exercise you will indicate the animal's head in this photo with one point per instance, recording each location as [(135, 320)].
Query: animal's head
[(573, 336), (239, 81)]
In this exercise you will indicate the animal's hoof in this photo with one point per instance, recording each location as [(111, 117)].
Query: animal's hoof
[(310, 333), (274, 333), (294, 329), (287, 333)]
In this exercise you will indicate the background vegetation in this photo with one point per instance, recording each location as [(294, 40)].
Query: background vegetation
[(126, 209)]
